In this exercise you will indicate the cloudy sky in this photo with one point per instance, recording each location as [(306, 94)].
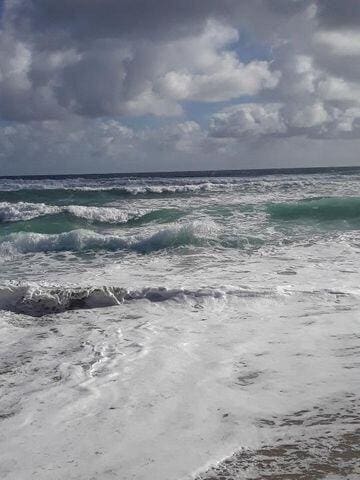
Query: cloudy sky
[(134, 85)]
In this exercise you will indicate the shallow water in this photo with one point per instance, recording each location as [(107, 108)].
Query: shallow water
[(180, 328)]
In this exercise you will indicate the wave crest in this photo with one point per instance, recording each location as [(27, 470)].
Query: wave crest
[(26, 212), (14, 212), (36, 301), (194, 233)]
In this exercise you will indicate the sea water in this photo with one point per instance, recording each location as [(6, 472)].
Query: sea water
[(169, 328)]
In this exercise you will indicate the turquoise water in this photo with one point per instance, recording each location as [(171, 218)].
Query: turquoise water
[(235, 212)]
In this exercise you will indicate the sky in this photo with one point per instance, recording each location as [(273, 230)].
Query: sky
[(97, 86)]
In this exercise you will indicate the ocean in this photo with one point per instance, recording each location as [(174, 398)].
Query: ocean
[(180, 326)]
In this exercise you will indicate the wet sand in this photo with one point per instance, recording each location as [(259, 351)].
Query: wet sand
[(320, 443)]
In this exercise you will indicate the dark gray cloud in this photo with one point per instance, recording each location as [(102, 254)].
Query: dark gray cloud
[(142, 19), (146, 19), (71, 69), (116, 57), (335, 14)]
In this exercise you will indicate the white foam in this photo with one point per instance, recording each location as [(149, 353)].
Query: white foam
[(158, 189), (126, 187), (13, 212), (101, 214), (41, 299)]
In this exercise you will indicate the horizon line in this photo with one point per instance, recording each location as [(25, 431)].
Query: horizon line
[(188, 173)]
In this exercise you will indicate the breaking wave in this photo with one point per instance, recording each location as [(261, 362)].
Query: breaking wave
[(194, 233), (323, 209), (37, 301), (25, 212), (13, 212), (22, 211)]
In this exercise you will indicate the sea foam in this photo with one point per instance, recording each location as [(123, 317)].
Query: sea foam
[(22, 211)]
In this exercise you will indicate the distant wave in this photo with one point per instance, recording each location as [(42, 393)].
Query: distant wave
[(100, 193), (36, 300), (330, 208), (193, 233)]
